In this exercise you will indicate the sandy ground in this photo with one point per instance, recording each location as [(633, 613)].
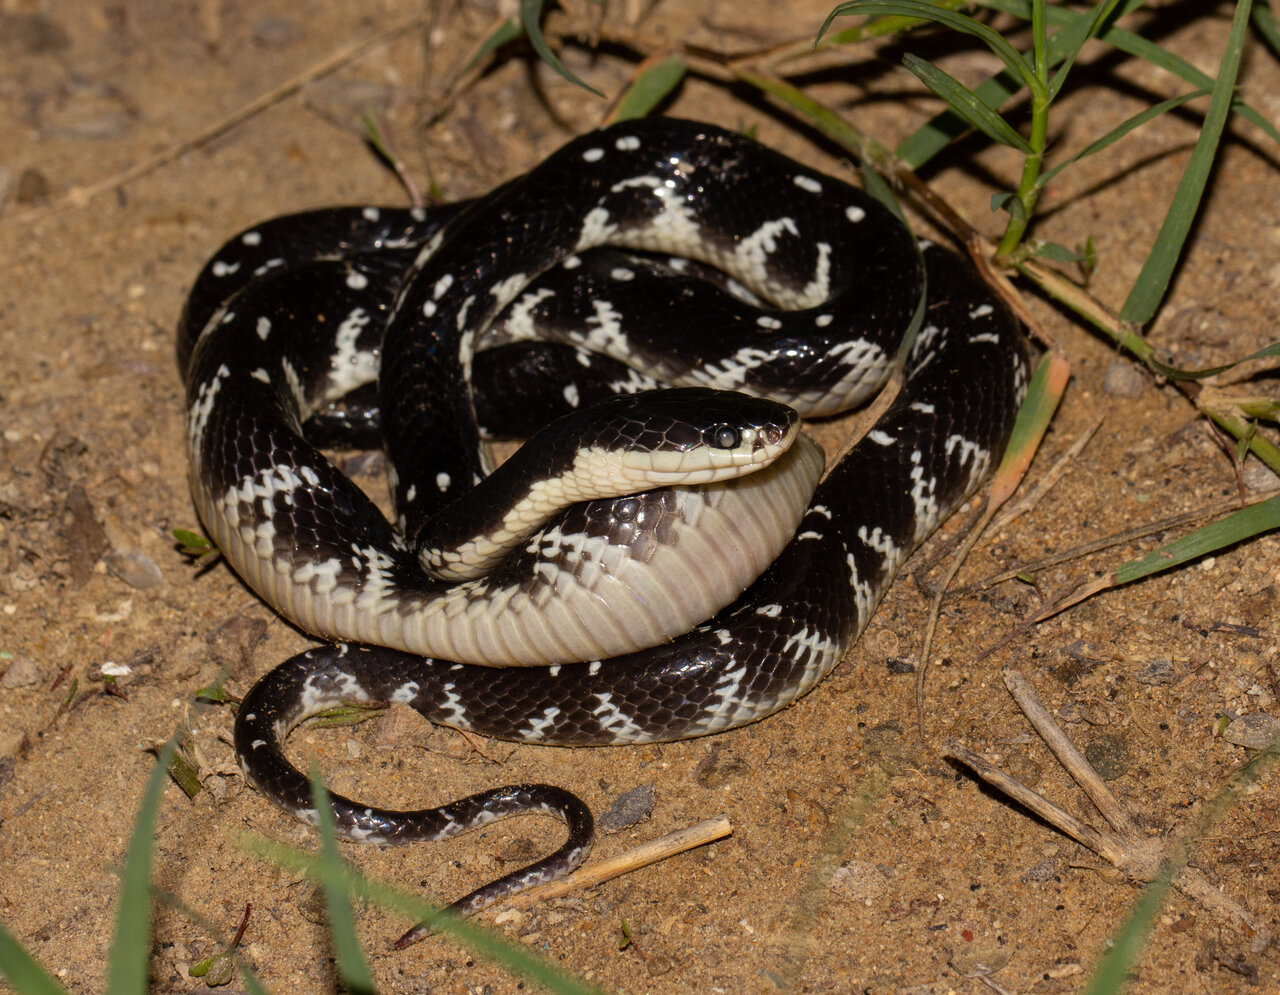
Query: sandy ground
[(936, 875)]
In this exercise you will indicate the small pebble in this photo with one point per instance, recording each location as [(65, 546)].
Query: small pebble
[(136, 569), (1109, 756), (627, 809), (1123, 379), (21, 673), (1157, 672), (1255, 731)]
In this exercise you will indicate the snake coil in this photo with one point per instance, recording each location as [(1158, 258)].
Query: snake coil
[(439, 308)]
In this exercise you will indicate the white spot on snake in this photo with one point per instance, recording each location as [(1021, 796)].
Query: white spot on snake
[(251, 238), (540, 726), (593, 668), (405, 693), (220, 268), (768, 321), (418, 213), (807, 183), (198, 417), (356, 280), (350, 367), (596, 229), (854, 213), (411, 493), (261, 374), (981, 311), (370, 214), (627, 143), (769, 611), (808, 535), (228, 317), (553, 671), (823, 320), (571, 262), (725, 636), (622, 274), (571, 394), (429, 309), (442, 286), (263, 328), (922, 496), (922, 407), (294, 382), (613, 719), (520, 323), (258, 743), (594, 154), (443, 480), (991, 337), (506, 291), (821, 509), (583, 357), (752, 252), (881, 438)]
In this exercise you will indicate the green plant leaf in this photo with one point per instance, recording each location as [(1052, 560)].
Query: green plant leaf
[(130, 958), (963, 101), (1118, 132), (1149, 289), (1264, 22), (1212, 538), (651, 86), (1101, 14), (512, 956), (531, 19), (506, 32), (1007, 54), (342, 924), (23, 971)]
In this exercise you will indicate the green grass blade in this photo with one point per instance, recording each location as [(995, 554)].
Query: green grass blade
[(127, 969), (508, 31), (1007, 54), (1149, 289), (1141, 48), (513, 957), (1114, 968), (23, 971), (342, 923), (964, 102), (930, 139), (531, 19), (651, 86), (1264, 22), (1217, 536), (882, 27), (1118, 132), (1101, 14)]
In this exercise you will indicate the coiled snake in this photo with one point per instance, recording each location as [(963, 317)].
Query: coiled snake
[(822, 283)]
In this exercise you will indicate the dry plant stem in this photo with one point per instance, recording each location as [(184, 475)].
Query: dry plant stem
[(1128, 535), (865, 419), (1071, 758), (974, 533), (1106, 845), (1140, 857), (81, 196), (600, 871)]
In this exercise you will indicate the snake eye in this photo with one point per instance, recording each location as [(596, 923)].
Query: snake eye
[(725, 437)]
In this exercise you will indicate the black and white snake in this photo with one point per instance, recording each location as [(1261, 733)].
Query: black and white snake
[(299, 311)]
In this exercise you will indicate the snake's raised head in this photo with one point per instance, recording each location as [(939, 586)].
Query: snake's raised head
[(688, 435)]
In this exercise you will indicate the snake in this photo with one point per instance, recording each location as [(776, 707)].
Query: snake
[(568, 293)]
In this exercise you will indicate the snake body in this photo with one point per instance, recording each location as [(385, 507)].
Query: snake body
[(423, 287)]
